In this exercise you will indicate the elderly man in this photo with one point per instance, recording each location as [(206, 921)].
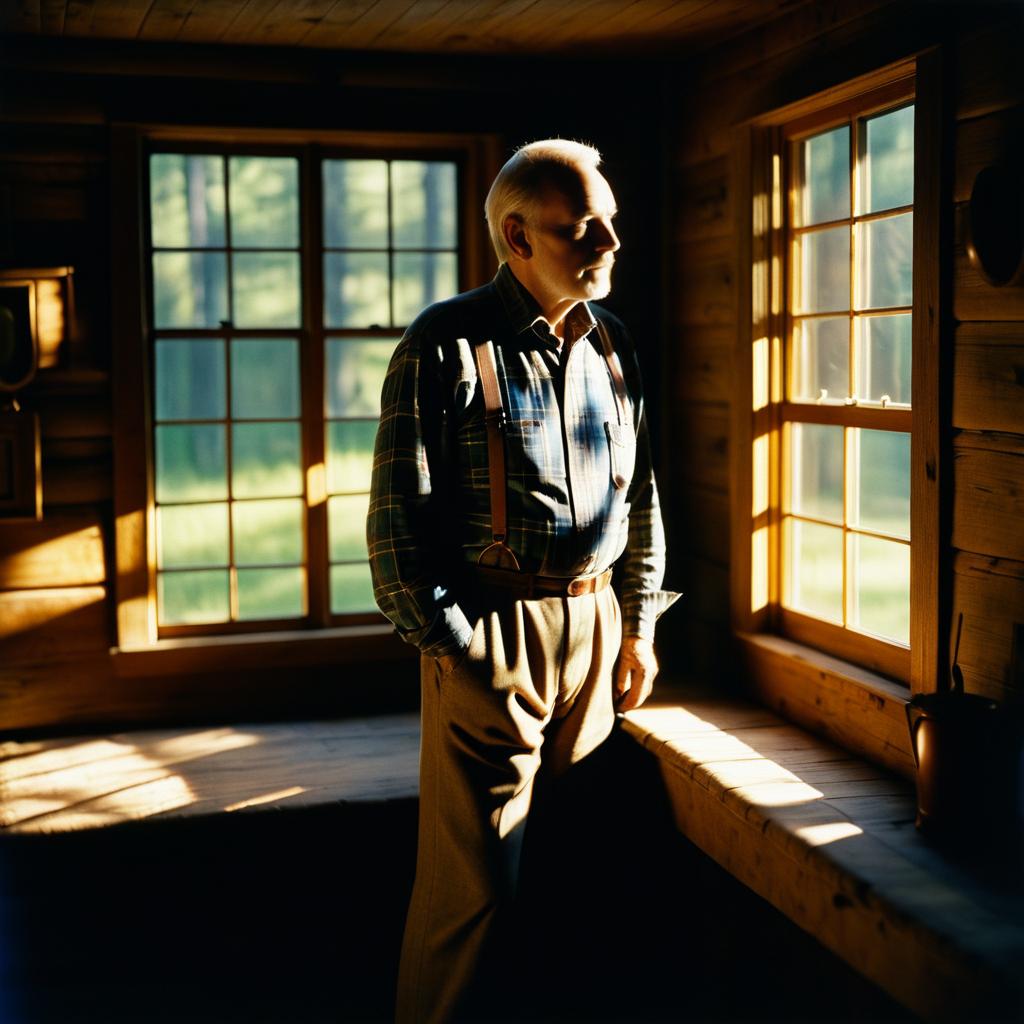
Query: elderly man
[(512, 471)]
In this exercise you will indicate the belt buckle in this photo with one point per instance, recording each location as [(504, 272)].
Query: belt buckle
[(577, 587)]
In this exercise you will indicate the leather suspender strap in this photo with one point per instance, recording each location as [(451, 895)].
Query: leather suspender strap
[(499, 553), (612, 359)]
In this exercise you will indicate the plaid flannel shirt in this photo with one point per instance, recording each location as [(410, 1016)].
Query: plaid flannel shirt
[(580, 484)]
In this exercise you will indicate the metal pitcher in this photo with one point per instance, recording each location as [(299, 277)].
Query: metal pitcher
[(968, 765)]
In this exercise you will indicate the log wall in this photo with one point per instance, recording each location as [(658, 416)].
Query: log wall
[(800, 54)]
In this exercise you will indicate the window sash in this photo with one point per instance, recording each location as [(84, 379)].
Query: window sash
[(313, 336)]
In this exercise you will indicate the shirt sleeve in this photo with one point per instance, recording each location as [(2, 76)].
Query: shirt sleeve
[(643, 600), (405, 493)]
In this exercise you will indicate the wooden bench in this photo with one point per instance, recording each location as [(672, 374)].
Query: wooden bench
[(830, 840)]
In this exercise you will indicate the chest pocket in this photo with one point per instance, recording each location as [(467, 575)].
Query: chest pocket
[(622, 452)]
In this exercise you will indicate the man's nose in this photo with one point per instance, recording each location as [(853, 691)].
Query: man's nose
[(605, 239)]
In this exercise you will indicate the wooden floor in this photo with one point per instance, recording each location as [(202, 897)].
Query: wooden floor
[(68, 784)]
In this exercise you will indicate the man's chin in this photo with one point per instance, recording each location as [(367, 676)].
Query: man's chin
[(598, 286)]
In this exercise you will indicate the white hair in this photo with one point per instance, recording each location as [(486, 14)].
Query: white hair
[(518, 187)]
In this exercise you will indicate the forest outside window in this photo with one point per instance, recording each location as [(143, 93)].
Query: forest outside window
[(281, 280), (833, 315)]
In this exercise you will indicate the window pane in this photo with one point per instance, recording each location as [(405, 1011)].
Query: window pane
[(423, 204), (190, 536), (880, 484), (271, 593), (887, 168), (420, 279), (826, 179), (885, 250), (816, 471), (267, 532), (821, 359), (190, 380), (187, 598), (356, 289), (189, 289), (265, 460), (346, 522), (264, 201), (191, 463), (880, 587), (266, 289), (264, 378), (824, 263), (351, 589), (350, 455), (186, 201), (883, 358), (355, 375), (356, 204), (814, 577)]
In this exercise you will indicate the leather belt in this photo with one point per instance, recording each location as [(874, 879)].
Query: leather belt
[(532, 585)]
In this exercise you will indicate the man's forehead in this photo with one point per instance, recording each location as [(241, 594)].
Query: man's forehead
[(583, 189)]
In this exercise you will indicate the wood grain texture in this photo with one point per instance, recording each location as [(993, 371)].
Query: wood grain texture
[(990, 594), (988, 505), (701, 441), (45, 625), (705, 292), (988, 377), (703, 523), (702, 364), (989, 76), (703, 201), (100, 780), (847, 705), (55, 552), (481, 26), (983, 141), (780, 811)]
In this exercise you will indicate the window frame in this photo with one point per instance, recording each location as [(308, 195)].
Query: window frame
[(476, 157), (846, 689)]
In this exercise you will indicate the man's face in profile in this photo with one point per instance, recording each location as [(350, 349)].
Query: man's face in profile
[(572, 237)]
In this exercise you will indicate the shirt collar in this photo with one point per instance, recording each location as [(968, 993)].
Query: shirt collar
[(524, 311)]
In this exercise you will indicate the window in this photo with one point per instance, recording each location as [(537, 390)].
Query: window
[(280, 273), (844, 545), (836, 503)]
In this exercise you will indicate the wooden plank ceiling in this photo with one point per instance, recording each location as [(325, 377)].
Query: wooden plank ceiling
[(577, 27)]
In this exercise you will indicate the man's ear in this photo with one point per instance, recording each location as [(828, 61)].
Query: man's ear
[(514, 230)]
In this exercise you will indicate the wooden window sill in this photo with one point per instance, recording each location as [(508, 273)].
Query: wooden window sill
[(829, 840), (339, 645), (851, 706)]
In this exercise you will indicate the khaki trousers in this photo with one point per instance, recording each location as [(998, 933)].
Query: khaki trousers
[(532, 695)]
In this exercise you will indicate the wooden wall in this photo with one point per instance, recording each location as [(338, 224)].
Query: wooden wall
[(58, 100), (798, 55)]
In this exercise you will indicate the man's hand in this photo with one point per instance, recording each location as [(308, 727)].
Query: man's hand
[(634, 676)]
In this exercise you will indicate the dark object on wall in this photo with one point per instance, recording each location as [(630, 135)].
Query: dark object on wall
[(21, 487), (995, 226), (37, 315), (19, 353), (968, 754)]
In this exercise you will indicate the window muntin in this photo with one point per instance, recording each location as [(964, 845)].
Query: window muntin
[(232, 265), (844, 552)]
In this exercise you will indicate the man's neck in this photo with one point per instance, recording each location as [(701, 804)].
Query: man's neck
[(553, 310)]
